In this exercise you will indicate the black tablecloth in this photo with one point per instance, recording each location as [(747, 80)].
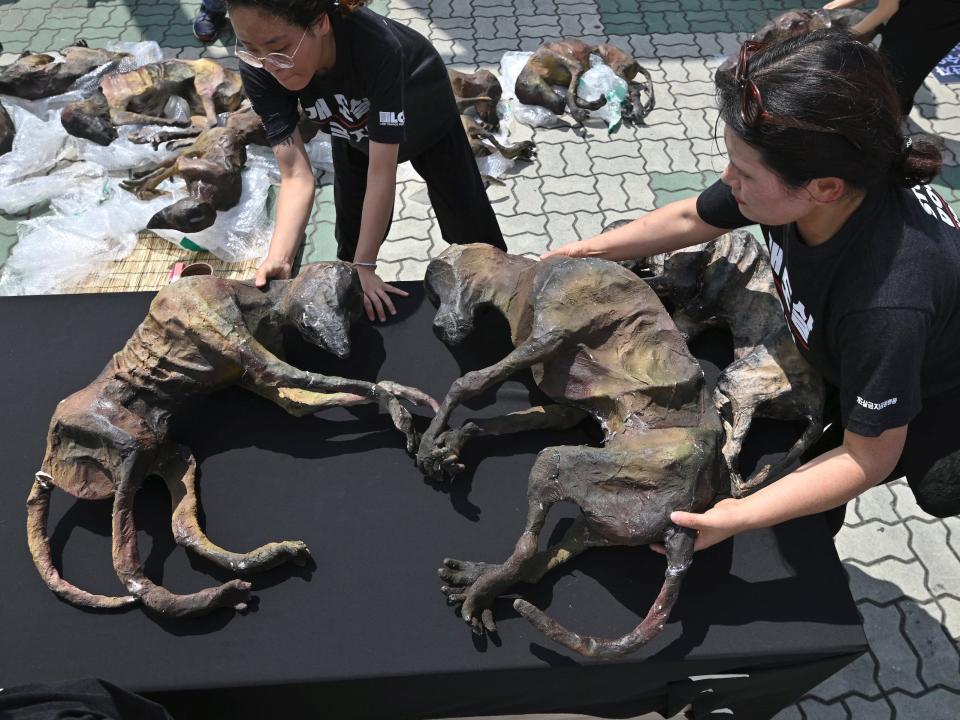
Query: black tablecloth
[(365, 632)]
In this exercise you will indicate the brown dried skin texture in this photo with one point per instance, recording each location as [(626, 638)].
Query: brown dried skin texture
[(7, 131), (483, 142), (138, 97), (599, 343), (201, 334), (562, 62), (210, 162), (728, 283), (481, 91), (38, 75)]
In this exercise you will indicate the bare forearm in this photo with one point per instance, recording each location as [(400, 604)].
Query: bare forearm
[(671, 227), (377, 210), (294, 204), (828, 481)]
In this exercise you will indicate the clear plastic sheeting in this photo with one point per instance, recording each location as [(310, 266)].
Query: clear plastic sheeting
[(177, 109), (141, 53), (320, 152), (94, 223), (511, 65), (601, 81), (122, 154), (242, 232), (495, 165), (19, 197), (36, 146)]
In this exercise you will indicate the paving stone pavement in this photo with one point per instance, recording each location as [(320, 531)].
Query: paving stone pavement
[(903, 566)]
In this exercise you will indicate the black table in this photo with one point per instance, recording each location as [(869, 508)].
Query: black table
[(365, 632)]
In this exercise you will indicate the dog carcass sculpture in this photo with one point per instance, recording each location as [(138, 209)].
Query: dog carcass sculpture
[(728, 283), (601, 345), (201, 334)]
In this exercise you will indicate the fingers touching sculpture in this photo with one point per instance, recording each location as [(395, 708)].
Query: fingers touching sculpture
[(201, 334), (728, 283), (600, 344), (139, 97)]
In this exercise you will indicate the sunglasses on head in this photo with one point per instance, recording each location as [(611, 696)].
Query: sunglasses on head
[(752, 112)]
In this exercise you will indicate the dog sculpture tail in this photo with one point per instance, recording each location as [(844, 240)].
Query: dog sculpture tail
[(607, 648), (38, 509)]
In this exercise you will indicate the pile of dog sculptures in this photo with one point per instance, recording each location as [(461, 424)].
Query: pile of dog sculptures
[(563, 62), (33, 76), (728, 283)]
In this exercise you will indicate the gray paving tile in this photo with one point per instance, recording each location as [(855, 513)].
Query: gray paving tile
[(939, 658), (885, 581), (872, 541), (813, 708), (900, 667), (929, 542), (868, 709), (937, 704), (859, 676)]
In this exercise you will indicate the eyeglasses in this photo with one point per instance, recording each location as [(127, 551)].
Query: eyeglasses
[(277, 61), (752, 111)]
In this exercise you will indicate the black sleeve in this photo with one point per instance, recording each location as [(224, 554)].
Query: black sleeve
[(881, 356), (278, 109), (716, 207), (386, 119)]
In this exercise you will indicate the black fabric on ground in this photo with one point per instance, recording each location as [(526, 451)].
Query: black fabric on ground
[(365, 632), (84, 699)]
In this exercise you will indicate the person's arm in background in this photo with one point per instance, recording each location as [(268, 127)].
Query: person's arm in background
[(377, 211), (674, 226), (825, 482), (866, 28), (294, 203)]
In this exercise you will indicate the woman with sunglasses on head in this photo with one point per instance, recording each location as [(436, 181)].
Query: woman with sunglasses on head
[(381, 91), (866, 258)]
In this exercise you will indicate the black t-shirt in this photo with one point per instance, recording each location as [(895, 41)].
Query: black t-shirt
[(876, 308), (388, 85)]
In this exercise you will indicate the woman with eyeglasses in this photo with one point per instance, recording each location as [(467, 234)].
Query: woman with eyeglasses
[(866, 258), (380, 89)]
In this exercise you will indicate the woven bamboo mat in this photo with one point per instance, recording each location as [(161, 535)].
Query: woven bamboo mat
[(148, 266)]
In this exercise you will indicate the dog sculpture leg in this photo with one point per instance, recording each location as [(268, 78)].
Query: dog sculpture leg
[(180, 475), (449, 445), (530, 352), (679, 545)]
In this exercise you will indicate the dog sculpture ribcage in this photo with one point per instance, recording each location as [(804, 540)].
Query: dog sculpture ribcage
[(728, 283), (600, 344), (201, 335)]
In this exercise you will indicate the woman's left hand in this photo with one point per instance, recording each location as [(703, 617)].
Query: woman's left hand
[(723, 520), (376, 294)]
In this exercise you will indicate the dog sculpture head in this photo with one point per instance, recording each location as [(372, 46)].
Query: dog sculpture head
[(459, 282), (322, 302)]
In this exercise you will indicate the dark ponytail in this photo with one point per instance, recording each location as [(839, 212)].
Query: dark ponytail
[(831, 111), (301, 13)]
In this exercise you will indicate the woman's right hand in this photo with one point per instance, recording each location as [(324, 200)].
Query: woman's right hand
[(272, 269)]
